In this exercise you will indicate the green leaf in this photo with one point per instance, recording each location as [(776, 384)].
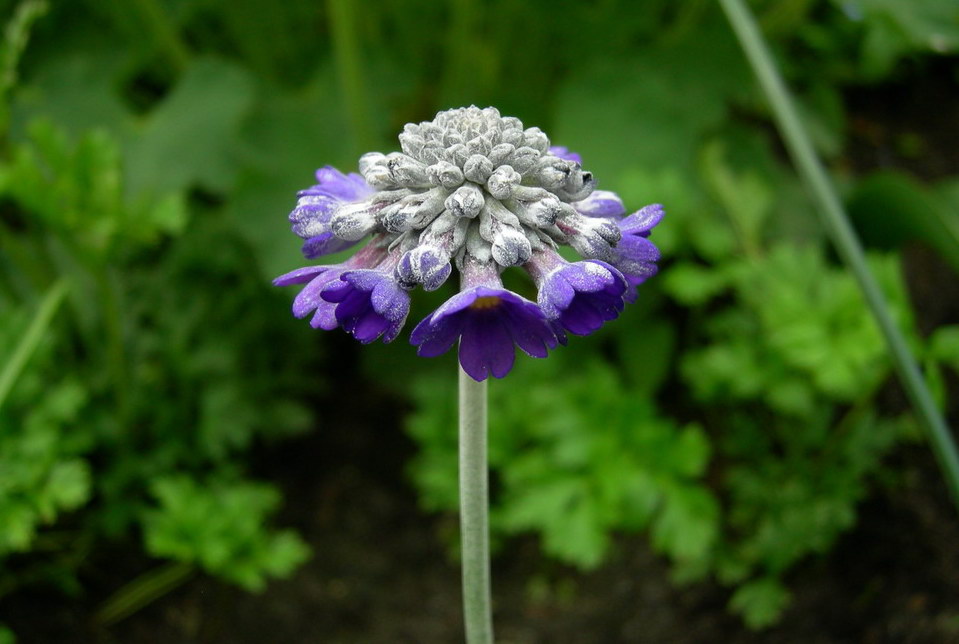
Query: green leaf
[(190, 138), (220, 526), (890, 208), (687, 527), (760, 602), (944, 346)]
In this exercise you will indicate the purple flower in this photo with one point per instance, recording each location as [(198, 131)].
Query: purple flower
[(578, 297), (635, 255), (480, 191), (488, 320), (317, 278), (369, 303), (315, 206)]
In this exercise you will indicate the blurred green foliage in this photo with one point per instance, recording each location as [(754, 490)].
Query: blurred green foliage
[(149, 152)]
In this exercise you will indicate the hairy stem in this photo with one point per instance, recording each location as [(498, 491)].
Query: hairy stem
[(474, 510)]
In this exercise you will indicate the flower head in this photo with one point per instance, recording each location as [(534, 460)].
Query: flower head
[(477, 190)]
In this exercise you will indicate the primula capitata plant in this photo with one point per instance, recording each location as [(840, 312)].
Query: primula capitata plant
[(474, 189)]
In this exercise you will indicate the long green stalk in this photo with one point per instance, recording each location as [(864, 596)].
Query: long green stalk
[(30, 340), (843, 236), (474, 512)]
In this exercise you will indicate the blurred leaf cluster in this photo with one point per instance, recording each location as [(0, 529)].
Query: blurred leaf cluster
[(149, 152)]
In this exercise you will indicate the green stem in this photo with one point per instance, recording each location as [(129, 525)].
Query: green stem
[(31, 339), (142, 591), (474, 511), (346, 55), (843, 236)]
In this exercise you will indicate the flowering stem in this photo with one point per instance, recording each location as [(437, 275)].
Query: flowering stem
[(843, 236), (474, 510)]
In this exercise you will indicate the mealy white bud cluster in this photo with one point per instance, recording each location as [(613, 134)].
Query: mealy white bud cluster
[(470, 182)]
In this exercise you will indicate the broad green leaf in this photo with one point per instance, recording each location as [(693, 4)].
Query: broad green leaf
[(189, 140), (891, 208)]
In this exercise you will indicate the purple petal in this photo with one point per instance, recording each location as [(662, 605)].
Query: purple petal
[(331, 182), (369, 327), (637, 249), (486, 347), (309, 298), (435, 335), (300, 275), (390, 301), (600, 203), (643, 220), (532, 333), (582, 317), (324, 318), (564, 153), (324, 244)]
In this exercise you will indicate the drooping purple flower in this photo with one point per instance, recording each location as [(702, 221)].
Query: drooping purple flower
[(317, 278), (488, 320), (368, 303), (635, 255), (577, 297), (315, 206)]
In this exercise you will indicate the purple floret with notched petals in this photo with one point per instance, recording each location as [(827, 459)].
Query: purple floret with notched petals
[(308, 300), (368, 304), (488, 322), (635, 255), (581, 296)]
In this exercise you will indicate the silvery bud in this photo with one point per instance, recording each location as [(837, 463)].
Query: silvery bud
[(510, 247), (501, 153), (501, 181), (478, 168), (523, 159), (536, 139), (353, 222), (467, 201), (446, 174), (545, 211), (407, 171)]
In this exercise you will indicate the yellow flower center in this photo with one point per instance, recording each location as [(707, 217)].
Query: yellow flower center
[(485, 302)]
